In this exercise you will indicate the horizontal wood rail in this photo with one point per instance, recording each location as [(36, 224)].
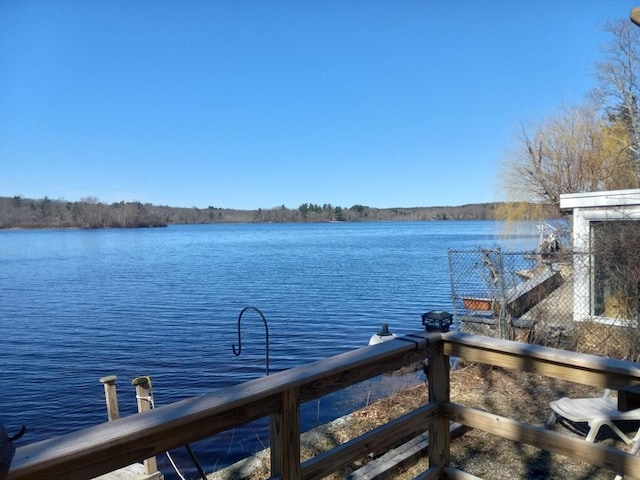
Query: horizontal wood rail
[(106, 447), (579, 449), (576, 367)]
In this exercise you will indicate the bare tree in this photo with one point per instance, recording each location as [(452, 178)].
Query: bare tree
[(568, 153), (591, 147), (619, 86)]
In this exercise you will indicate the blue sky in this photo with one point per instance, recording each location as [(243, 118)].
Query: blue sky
[(254, 104)]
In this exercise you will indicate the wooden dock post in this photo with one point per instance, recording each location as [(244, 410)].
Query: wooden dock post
[(148, 471), (144, 398), (111, 396)]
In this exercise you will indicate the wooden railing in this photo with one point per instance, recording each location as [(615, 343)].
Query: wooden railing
[(106, 447)]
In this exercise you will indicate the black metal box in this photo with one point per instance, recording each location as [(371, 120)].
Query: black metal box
[(437, 320)]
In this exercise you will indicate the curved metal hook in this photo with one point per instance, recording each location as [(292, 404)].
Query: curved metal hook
[(266, 328), (18, 435)]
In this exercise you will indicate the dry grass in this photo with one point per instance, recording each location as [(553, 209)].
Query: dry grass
[(608, 341)]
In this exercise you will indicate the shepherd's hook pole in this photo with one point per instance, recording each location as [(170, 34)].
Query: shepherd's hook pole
[(266, 329)]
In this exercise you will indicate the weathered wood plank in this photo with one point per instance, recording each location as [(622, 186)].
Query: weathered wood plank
[(132, 472), (385, 466), (379, 438), (108, 446), (526, 295), (594, 454), (366, 363), (576, 367), (406, 454), (455, 474), (434, 473)]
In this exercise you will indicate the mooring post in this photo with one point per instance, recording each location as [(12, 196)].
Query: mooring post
[(144, 398), (111, 396)]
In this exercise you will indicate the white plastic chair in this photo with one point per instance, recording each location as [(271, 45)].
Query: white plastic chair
[(596, 412)]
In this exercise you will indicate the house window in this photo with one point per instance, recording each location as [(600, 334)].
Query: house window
[(615, 248)]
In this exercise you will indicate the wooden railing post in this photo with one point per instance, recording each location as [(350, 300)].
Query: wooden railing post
[(111, 396), (439, 392), (285, 437), (144, 399), (275, 425)]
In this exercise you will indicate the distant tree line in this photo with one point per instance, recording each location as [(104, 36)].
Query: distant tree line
[(19, 212)]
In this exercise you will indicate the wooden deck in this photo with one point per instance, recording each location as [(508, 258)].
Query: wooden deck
[(103, 448)]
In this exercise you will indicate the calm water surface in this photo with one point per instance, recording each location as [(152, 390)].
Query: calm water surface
[(76, 305)]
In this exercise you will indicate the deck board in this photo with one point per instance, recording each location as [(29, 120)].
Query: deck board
[(130, 472)]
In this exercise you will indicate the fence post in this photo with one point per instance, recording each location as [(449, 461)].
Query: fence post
[(285, 437), (439, 392), (275, 425), (143, 397), (111, 396), (503, 328)]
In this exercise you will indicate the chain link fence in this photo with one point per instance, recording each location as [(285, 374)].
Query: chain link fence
[(560, 299)]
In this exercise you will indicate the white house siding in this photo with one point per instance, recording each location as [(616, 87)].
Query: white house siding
[(617, 205)]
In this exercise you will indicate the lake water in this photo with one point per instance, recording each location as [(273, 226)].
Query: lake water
[(76, 305)]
